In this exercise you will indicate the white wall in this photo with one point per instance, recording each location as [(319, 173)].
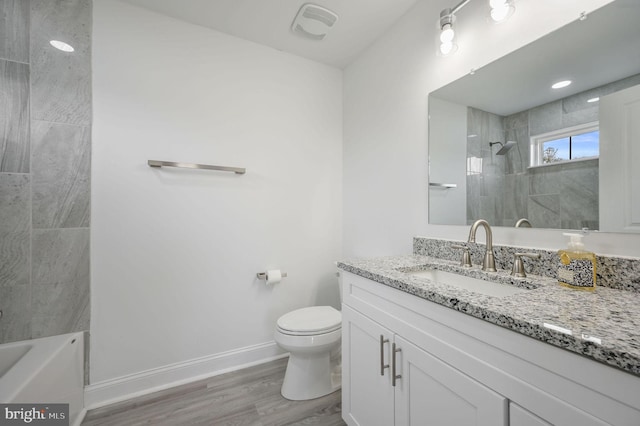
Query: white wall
[(385, 124), (175, 252)]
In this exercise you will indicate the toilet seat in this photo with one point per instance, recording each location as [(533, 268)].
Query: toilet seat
[(310, 321)]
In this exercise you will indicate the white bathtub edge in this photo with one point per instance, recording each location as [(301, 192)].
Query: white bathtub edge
[(80, 417), (51, 371), (157, 379), (42, 350)]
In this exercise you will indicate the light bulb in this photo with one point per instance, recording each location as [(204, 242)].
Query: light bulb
[(500, 13), (447, 33), (446, 48), (501, 9)]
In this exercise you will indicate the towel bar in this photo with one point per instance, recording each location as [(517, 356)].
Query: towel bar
[(156, 163)]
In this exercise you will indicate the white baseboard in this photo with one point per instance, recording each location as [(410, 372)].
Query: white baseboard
[(133, 385)]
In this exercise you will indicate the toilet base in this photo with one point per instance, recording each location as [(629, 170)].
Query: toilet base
[(310, 377), (314, 368)]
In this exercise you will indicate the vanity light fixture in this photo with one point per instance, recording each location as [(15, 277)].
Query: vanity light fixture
[(561, 84), (61, 45), (447, 33), (447, 37), (501, 10), (592, 100)]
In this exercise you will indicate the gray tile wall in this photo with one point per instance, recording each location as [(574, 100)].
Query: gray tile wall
[(45, 159), (485, 189), (561, 196)]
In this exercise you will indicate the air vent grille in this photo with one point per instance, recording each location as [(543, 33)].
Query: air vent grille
[(313, 22), (325, 16), (299, 30)]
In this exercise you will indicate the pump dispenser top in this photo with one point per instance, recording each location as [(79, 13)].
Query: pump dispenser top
[(575, 241)]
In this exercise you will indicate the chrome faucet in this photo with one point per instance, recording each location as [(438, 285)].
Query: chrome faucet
[(524, 222), (489, 262)]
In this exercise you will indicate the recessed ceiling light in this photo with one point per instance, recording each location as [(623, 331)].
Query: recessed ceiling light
[(593, 100), (561, 84), (61, 45)]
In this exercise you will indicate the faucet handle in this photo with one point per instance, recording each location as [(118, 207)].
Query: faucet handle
[(518, 264), (466, 256)]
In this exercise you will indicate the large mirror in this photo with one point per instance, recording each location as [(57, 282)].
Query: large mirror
[(504, 146)]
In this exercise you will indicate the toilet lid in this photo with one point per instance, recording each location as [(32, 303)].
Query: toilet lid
[(312, 320)]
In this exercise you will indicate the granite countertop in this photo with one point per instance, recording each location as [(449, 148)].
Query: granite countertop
[(603, 325)]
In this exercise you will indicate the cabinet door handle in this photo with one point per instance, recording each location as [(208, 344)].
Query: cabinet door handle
[(382, 364), (394, 376)]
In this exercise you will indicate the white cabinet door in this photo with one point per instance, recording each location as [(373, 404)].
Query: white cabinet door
[(518, 416), (367, 395), (432, 393), (619, 159)]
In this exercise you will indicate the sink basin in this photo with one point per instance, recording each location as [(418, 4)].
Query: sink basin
[(475, 285)]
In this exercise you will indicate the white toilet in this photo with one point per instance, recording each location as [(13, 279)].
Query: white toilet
[(310, 335)]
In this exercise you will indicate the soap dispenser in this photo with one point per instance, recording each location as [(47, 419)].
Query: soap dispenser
[(577, 267)]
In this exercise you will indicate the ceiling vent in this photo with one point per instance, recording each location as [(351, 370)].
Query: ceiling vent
[(313, 21)]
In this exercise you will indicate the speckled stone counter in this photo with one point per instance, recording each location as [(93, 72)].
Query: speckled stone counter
[(614, 272), (603, 325)]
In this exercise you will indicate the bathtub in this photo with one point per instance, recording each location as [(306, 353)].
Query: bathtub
[(46, 370)]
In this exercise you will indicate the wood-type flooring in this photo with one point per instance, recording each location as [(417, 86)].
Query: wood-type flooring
[(245, 397)]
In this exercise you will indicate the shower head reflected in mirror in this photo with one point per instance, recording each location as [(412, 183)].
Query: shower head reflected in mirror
[(504, 147)]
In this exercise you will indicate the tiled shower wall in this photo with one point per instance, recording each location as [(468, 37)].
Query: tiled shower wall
[(485, 171), (501, 189), (45, 150)]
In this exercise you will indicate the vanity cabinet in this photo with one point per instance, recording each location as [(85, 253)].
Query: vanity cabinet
[(518, 416), (425, 391), (370, 399), (453, 368)]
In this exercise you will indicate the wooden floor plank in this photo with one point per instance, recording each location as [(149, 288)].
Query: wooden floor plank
[(248, 397)]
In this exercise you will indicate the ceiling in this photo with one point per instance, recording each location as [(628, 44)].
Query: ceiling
[(268, 22)]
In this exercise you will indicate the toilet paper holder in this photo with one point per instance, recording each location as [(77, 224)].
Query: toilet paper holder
[(264, 276)]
